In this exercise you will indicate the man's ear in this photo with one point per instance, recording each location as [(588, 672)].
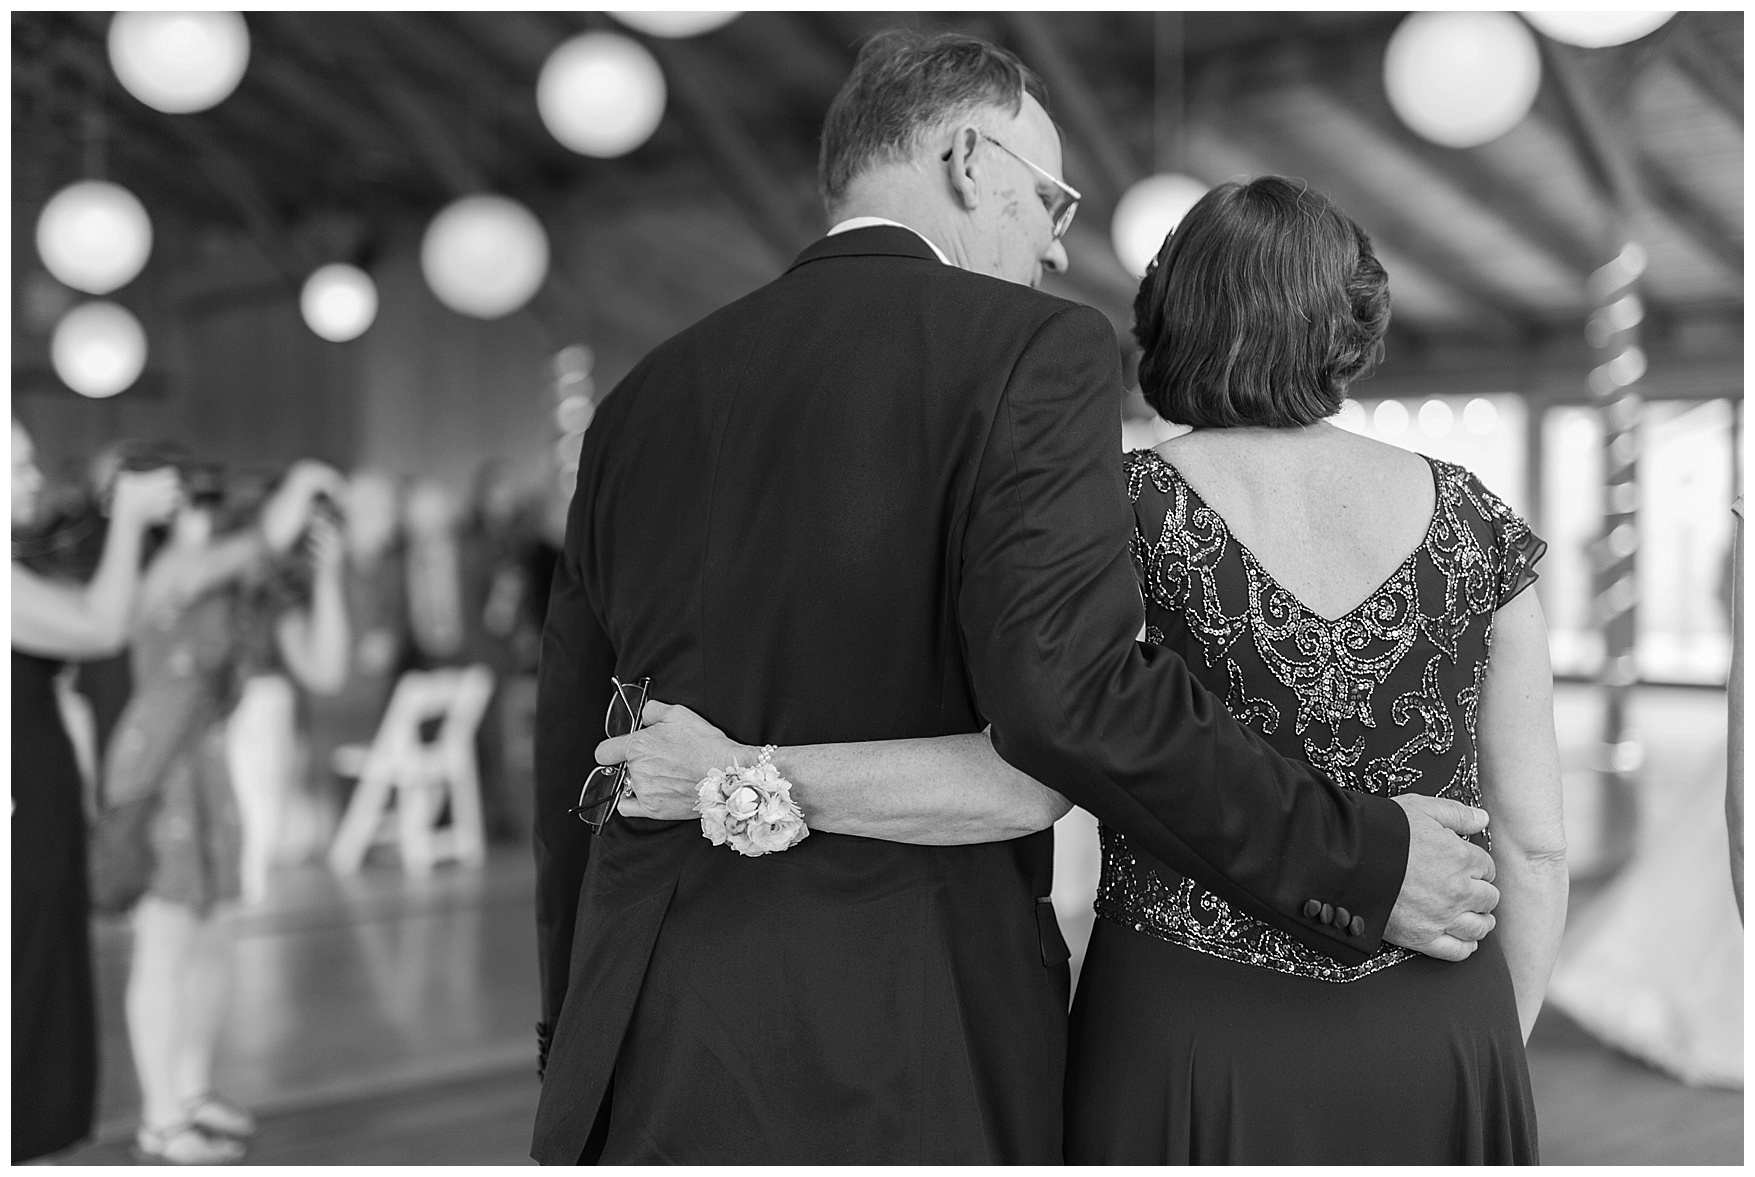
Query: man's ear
[(960, 167)]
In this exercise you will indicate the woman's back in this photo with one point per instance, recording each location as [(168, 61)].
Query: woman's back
[(1328, 513), (1349, 625)]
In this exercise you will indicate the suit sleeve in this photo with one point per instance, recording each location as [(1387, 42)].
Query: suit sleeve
[(573, 689), (1049, 604)]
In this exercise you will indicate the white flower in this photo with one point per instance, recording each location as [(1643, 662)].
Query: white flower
[(743, 803)]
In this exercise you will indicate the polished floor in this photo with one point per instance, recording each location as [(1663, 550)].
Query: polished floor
[(381, 1021)]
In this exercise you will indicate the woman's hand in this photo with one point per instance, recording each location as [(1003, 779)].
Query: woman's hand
[(143, 498), (284, 516), (666, 760), (327, 549)]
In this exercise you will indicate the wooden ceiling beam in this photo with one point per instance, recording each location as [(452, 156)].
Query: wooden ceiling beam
[(1705, 63), (354, 49), (319, 105), (769, 202), (453, 61), (230, 178), (1351, 82), (1625, 176), (1568, 101), (1076, 105), (1444, 260), (1702, 224)]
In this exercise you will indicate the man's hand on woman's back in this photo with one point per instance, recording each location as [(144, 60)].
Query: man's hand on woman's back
[(1447, 895)]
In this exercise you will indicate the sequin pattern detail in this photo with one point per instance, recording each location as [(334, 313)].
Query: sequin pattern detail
[(1382, 699)]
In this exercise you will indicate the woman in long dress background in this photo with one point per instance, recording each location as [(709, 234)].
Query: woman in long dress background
[(54, 1026)]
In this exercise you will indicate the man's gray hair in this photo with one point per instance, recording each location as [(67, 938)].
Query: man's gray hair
[(906, 84)]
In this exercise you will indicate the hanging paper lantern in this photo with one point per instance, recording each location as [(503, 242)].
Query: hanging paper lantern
[(1145, 215), (1595, 30), (339, 302), (94, 236), (99, 349), (484, 256), (675, 24), (179, 62), (1461, 79), (601, 94)]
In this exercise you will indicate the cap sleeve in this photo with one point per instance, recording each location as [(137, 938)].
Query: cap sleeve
[(1516, 548)]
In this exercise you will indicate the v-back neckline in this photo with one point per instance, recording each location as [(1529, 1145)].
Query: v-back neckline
[(1249, 556)]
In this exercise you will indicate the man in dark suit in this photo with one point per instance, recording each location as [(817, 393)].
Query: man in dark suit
[(881, 498)]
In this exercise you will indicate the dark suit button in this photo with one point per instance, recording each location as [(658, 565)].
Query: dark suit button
[(1313, 909), (1343, 917), (1328, 914), (1358, 926)]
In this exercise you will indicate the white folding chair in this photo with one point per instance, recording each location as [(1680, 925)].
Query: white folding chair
[(405, 781)]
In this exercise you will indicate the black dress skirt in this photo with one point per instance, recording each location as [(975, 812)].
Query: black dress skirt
[(1179, 1057), (54, 1024), (1202, 1035)]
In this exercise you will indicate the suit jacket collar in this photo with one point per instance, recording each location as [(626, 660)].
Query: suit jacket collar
[(876, 241)]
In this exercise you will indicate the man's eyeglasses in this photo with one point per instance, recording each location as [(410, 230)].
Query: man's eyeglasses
[(603, 789), (1064, 201)]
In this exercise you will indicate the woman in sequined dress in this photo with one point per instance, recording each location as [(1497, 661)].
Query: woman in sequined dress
[(1363, 608)]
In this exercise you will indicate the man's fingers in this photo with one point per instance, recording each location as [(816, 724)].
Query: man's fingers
[(1481, 865), (1470, 926), (1462, 819), (1483, 896), (1449, 948), (613, 750)]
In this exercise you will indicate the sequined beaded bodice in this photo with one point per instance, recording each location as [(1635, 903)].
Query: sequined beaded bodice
[(1382, 699)]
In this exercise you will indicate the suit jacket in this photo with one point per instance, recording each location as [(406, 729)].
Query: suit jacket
[(880, 497)]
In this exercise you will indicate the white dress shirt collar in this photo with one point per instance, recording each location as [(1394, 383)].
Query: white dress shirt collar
[(868, 222)]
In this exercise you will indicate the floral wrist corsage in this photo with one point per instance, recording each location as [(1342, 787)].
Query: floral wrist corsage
[(751, 808)]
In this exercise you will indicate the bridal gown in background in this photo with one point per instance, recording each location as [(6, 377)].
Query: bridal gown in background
[(1201, 1035)]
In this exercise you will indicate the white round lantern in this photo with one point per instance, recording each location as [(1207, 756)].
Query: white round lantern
[(179, 62), (98, 349), (339, 302), (94, 236), (1596, 30), (1146, 214), (1461, 79), (676, 24), (601, 94), (484, 256)]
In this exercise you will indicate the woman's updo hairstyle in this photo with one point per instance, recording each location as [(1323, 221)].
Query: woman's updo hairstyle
[(1262, 307)]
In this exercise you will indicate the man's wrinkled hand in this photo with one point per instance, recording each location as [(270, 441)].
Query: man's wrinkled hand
[(1447, 897)]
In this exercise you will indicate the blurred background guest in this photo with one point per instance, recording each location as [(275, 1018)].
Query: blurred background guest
[(1734, 710), (435, 585), (501, 633), (190, 645), (377, 612), (263, 751), (54, 1038)]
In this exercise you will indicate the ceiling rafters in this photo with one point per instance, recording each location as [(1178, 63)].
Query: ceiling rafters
[(1218, 103), (1706, 64), (1358, 93), (1699, 221), (451, 62), (1624, 176), (451, 168), (233, 180), (1076, 105), (767, 200), (1484, 303)]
